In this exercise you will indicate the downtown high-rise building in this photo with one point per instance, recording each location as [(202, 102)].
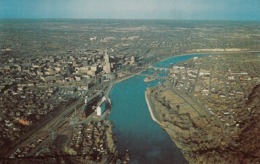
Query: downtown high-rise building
[(107, 67)]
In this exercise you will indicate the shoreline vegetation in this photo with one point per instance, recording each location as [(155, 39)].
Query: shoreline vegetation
[(202, 137)]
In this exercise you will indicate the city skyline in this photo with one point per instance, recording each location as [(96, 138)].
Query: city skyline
[(121, 9)]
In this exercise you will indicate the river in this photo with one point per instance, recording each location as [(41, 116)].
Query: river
[(134, 128)]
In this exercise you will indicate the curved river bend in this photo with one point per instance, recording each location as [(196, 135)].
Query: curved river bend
[(146, 141)]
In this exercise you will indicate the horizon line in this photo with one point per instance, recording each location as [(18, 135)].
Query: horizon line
[(233, 20)]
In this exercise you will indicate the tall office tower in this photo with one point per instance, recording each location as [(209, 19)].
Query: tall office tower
[(107, 67), (132, 60)]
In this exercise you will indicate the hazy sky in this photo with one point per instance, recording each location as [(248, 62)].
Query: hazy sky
[(132, 9)]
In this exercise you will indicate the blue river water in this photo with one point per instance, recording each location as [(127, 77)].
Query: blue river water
[(134, 128)]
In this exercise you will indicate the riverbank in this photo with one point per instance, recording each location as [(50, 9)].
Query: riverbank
[(170, 57), (134, 128), (203, 53), (147, 99)]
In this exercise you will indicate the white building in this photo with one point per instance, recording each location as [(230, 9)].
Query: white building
[(104, 99), (99, 111), (93, 38)]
